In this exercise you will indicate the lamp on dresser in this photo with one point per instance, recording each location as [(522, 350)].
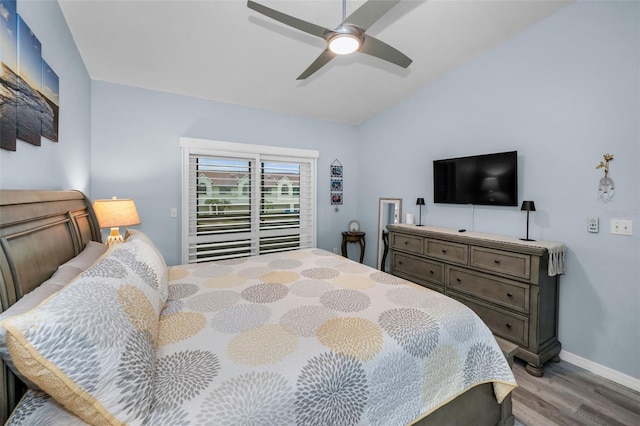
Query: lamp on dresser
[(528, 206), (420, 202), (115, 213)]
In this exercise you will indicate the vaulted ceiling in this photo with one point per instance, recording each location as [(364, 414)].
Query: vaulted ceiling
[(221, 50)]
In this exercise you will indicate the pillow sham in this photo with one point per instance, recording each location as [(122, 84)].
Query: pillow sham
[(91, 346), (38, 408), (154, 259), (63, 275), (29, 301)]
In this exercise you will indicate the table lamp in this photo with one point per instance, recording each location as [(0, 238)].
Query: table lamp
[(420, 202), (528, 206), (115, 213)]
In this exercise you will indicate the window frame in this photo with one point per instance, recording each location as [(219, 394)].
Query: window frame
[(259, 153)]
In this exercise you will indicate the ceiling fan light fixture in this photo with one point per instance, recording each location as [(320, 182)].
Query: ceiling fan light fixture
[(347, 38), (343, 44)]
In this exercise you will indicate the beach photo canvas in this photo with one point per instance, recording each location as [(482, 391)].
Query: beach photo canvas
[(51, 93), (8, 77), (30, 102)]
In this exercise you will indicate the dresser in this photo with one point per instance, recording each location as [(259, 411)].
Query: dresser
[(509, 283)]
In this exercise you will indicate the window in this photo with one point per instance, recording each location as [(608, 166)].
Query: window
[(244, 184), (235, 203), (284, 189)]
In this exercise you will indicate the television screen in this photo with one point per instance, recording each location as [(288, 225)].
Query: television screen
[(490, 179)]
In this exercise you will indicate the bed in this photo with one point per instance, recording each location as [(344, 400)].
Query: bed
[(301, 337)]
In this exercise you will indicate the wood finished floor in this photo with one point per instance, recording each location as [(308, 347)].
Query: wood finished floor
[(570, 395)]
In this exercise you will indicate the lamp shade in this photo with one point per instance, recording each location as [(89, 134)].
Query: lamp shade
[(420, 202), (528, 206), (116, 212)]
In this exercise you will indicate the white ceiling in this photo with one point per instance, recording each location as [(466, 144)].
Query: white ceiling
[(222, 50)]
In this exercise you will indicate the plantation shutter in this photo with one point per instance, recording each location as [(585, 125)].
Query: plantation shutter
[(250, 201)]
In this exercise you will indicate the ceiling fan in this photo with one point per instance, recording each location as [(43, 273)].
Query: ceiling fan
[(350, 36)]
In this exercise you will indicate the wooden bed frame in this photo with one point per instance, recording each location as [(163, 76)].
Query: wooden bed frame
[(40, 230)]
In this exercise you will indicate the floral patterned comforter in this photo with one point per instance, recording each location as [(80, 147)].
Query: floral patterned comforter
[(308, 337)]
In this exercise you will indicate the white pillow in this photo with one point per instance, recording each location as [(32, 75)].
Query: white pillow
[(92, 251)]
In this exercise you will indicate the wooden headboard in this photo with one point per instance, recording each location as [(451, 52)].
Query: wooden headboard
[(39, 231)]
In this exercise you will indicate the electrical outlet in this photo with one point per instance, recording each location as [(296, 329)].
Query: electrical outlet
[(592, 224), (621, 227), (174, 212), (335, 250)]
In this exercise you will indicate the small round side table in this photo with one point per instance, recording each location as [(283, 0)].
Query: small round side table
[(353, 237)]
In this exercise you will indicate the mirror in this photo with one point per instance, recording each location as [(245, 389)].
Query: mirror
[(389, 211)]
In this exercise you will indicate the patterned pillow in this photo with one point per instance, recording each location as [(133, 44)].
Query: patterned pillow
[(154, 257), (63, 276), (37, 408), (29, 301), (91, 346)]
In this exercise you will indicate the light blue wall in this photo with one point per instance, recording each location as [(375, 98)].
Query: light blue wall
[(136, 153), (562, 94), (66, 164)]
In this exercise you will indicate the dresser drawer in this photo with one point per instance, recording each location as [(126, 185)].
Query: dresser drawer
[(422, 269), (510, 326), (406, 243), (510, 294), (500, 261), (450, 252)]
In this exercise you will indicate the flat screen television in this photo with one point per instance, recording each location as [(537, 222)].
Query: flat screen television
[(490, 179)]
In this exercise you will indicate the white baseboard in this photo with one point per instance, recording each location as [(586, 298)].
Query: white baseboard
[(601, 370)]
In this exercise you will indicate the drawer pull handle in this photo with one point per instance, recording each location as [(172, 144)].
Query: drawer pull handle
[(431, 272), (399, 262), (406, 242), (459, 280), (496, 261), (444, 251), (509, 294), (508, 325)]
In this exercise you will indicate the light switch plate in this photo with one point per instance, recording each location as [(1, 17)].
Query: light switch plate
[(592, 224), (621, 227)]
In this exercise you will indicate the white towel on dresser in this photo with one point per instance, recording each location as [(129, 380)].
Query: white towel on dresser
[(556, 256)]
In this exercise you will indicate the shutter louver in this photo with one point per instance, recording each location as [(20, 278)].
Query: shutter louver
[(219, 208), (284, 211), (247, 205)]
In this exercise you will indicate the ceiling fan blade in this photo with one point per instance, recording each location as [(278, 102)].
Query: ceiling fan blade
[(320, 61), (374, 47), (305, 26), (367, 14)]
